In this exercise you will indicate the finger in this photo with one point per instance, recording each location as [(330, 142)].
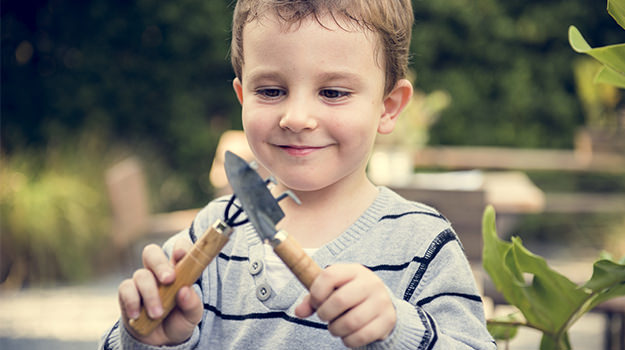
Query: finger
[(329, 279), (129, 299), (352, 320), (146, 284), (304, 309), (155, 260), (378, 329), (181, 247), (342, 299)]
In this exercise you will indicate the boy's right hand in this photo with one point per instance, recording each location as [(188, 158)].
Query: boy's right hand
[(142, 289)]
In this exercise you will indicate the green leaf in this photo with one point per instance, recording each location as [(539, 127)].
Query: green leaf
[(613, 56), (607, 282), (610, 76), (548, 300), (606, 274), (617, 10)]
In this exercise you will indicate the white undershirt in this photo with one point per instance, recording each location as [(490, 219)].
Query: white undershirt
[(278, 273)]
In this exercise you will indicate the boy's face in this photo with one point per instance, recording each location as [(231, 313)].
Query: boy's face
[(312, 101)]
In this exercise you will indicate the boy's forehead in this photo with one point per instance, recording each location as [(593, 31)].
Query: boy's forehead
[(325, 20)]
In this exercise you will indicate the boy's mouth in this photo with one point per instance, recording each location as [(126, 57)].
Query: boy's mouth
[(300, 150)]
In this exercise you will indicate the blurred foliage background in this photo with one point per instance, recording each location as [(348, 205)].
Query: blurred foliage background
[(87, 83)]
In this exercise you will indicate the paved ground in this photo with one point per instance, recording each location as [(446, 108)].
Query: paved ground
[(58, 318)]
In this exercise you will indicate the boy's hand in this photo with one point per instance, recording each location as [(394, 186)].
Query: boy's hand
[(355, 303), (142, 288)]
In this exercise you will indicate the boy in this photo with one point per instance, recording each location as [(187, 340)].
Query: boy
[(317, 80)]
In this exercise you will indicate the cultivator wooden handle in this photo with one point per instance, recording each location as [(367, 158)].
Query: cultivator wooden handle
[(188, 270), (293, 255)]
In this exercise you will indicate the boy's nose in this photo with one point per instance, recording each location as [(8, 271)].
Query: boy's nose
[(298, 116)]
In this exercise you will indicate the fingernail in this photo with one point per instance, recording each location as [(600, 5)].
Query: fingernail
[(156, 312), (165, 275), (133, 315)]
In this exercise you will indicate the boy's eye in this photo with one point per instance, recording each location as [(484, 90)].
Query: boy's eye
[(333, 94), (270, 93)]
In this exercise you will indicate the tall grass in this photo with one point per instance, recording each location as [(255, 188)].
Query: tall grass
[(54, 214)]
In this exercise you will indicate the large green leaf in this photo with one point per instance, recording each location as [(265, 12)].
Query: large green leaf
[(549, 301), (607, 281), (609, 76), (550, 298), (612, 56), (616, 8)]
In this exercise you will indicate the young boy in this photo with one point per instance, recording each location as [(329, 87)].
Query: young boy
[(317, 80)]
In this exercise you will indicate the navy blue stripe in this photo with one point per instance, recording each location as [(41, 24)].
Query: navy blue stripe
[(434, 332), (396, 216), (233, 257), (192, 233), (267, 315), (437, 244), (396, 267), (107, 345), (427, 300), (427, 333)]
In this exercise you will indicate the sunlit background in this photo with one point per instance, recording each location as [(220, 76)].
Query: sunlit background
[(112, 112)]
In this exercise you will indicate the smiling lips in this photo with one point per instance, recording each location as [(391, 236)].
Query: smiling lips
[(300, 150)]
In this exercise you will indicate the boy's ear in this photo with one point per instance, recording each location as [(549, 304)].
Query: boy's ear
[(394, 103), (238, 89)]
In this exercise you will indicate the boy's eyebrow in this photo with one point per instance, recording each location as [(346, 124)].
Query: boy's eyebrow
[(352, 78), (342, 76), (264, 74)]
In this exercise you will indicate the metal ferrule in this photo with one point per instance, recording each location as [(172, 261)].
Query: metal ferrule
[(278, 238), (223, 228)]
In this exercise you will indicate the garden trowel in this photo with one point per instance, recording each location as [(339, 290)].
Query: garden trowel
[(264, 213)]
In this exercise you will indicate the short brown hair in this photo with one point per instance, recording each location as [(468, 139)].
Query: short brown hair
[(391, 20)]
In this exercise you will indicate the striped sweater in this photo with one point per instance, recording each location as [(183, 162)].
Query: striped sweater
[(410, 246)]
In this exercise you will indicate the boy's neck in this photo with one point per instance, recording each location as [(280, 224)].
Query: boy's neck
[(326, 213)]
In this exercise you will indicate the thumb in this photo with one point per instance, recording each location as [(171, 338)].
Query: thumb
[(190, 305), (180, 323)]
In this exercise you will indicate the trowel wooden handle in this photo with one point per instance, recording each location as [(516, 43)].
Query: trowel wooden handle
[(294, 256), (188, 270)]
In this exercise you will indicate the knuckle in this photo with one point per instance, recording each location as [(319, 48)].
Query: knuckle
[(352, 323), (340, 300), (323, 316), (124, 285), (148, 249), (355, 340), (139, 274)]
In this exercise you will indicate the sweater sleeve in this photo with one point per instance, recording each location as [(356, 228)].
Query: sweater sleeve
[(440, 308), (119, 338)]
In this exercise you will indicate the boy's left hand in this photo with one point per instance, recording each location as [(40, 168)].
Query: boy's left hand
[(355, 303)]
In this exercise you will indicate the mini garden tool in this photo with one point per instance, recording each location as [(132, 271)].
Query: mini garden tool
[(204, 250), (263, 212)]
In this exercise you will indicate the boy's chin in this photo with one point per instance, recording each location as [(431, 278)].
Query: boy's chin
[(301, 184)]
